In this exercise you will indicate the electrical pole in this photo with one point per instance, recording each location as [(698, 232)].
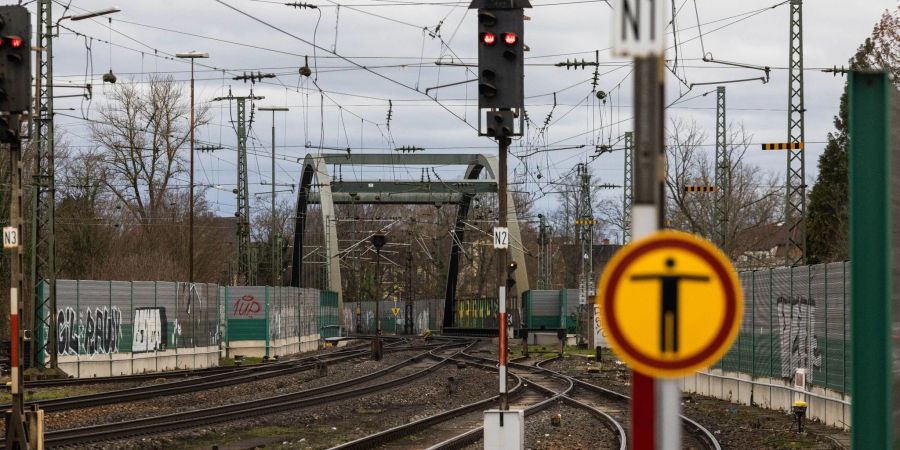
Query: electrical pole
[(408, 313), (43, 200), (543, 254), (378, 241), (192, 56), (628, 187), (795, 200), (245, 268), (585, 227), (723, 173), (273, 236)]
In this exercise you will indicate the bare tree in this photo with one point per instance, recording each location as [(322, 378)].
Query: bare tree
[(143, 130), (752, 197), (84, 222)]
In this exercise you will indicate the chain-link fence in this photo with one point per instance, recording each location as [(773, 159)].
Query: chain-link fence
[(795, 318)]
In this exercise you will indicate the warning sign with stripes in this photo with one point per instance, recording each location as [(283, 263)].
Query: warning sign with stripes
[(783, 146)]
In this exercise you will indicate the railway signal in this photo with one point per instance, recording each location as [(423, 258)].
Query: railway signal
[(15, 60), (501, 68)]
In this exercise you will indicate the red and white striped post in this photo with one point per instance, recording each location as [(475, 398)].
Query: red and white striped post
[(15, 417), (504, 401), (14, 357)]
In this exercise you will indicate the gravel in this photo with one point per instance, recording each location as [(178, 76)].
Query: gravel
[(221, 396), (733, 425), (579, 430), (328, 425)]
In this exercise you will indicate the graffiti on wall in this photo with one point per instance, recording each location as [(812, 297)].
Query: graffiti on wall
[(796, 320), (67, 339), (149, 330), (246, 306), (98, 331), (102, 329)]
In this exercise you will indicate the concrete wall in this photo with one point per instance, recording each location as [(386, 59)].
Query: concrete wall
[(824, 405), (277, 347), (114, 364)]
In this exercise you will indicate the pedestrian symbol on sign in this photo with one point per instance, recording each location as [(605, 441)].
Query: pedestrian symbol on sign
[(668, 320)]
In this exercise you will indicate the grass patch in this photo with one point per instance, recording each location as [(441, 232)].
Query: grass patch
[(229, 362), (791, 443), (269, 437), (50, 393)]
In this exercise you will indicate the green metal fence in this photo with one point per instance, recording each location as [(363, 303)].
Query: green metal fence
[(795, 318), (360, 316), (275, 313), (328, 314), (551, 309)]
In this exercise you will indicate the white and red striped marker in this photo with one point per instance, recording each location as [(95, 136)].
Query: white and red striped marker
[(502, 338), (14, 340)]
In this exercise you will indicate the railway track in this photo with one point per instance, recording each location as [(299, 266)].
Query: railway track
[(553, 386), (403, 372), (532, 391), (183, 373), (212, 381), (617, 405)]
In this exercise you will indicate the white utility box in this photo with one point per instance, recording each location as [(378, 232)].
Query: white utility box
[(504, 430)]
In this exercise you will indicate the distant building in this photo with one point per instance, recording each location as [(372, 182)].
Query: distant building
[(762, 246)]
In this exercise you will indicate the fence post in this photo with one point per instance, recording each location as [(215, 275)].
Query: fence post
[(869, 100), (268, 319), (78, 327), (107, 327), (752, 329), (131, 316), (825, 362), (845, 329), (772, 329)]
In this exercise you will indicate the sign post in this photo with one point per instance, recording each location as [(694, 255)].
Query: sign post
[(638, 31), (671, 304)]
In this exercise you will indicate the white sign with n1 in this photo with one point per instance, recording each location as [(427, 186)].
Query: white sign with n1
[(638, 27)]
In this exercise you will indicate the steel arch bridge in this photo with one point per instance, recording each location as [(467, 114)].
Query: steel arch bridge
[(460, 192)]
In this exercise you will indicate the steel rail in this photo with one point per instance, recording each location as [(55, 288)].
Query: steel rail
[(392, 434), (242, 410), (472, 436), (183, 386), (155, 375), (699, 431)]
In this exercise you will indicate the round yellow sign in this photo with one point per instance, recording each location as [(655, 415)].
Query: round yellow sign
[(670, 304)]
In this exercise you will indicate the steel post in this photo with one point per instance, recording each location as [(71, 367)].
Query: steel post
[(650, 406)]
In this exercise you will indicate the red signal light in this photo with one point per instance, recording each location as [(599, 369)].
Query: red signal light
[(489, 38), (15, 42), (510, 38)]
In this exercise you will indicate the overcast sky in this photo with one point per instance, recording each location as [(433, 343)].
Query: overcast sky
[(398, 41)]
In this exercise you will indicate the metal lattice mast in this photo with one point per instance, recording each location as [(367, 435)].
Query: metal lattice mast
[(543, 255), (723, 172), (245, 273), (585, 224), (627, 187), (245, 270), (43, 245), (795, 201)]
